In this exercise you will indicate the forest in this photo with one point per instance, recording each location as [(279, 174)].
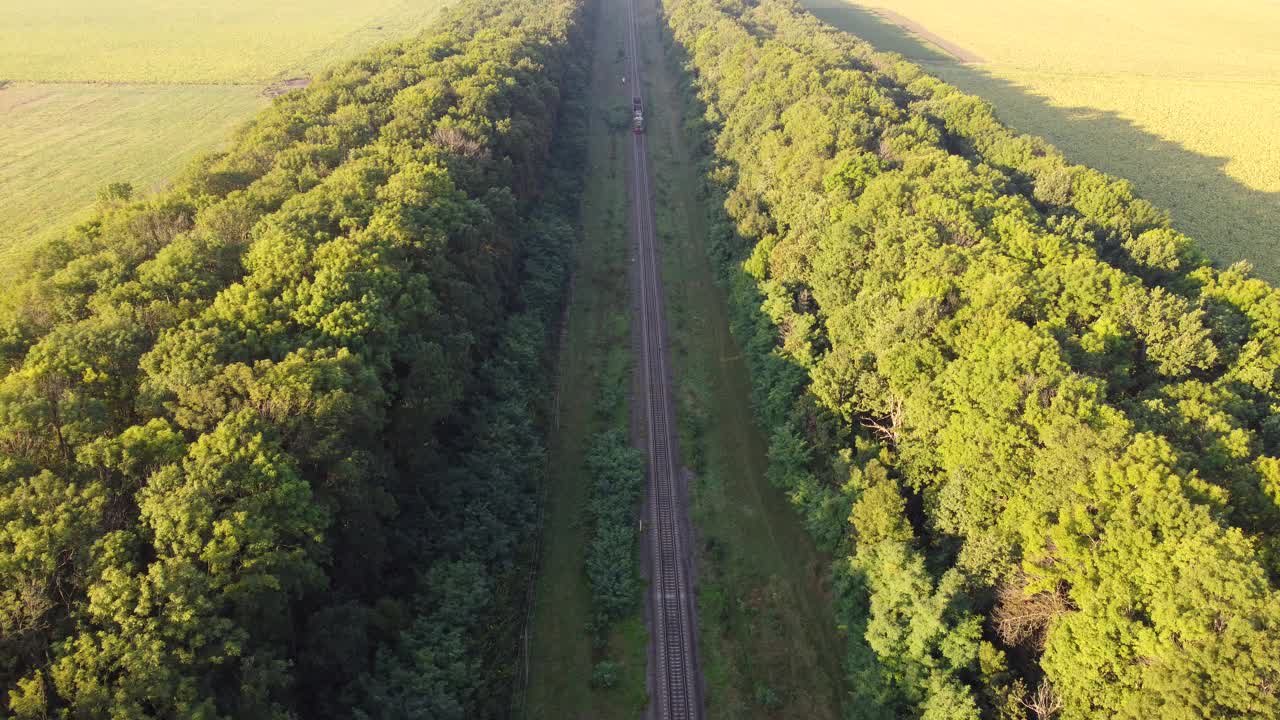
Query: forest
[(271, 440), (1037, 430)]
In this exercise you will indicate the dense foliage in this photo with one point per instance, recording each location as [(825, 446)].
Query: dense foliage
[(270, 441), (1039, 430), (612, 559)]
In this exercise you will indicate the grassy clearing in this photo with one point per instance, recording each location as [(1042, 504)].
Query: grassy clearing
[(224, 41), (60, 143), (594, 378), (1178, 97), (768, 641)]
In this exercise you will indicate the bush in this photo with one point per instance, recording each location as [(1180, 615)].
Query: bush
[(604, 675), (612, 560)]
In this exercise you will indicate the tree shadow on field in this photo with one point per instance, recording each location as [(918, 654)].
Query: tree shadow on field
[(1230, 220)]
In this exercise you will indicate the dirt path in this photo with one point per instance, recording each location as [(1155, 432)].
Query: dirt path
[(960, 54), (276, 89)]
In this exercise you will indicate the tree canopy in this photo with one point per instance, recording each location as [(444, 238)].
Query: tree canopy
[(271, 440), (1036, 424)]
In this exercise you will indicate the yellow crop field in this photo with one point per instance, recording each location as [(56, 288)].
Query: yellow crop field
[(222, 41), (1181, 97), (97, 91)]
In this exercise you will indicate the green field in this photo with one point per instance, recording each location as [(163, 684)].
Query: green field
[(59, 143), (121, 90), (1179, 97), (223, 41)]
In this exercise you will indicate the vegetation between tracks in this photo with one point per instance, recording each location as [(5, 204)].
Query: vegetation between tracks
[(612, 556)]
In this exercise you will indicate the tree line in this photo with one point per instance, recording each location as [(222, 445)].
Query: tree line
[(271, 440), (1039, 431)]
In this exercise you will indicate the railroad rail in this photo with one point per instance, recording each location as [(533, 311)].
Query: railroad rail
[(673, 654)]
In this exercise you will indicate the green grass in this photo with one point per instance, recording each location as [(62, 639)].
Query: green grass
[(220, 41), (60, 143), (769, 645), (1178, 97), (592, 394), (132, 89)]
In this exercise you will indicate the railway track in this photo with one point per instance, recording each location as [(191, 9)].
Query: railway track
[(676, 679)]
